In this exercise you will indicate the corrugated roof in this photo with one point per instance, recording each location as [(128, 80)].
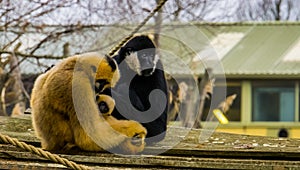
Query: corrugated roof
[(262, 51)]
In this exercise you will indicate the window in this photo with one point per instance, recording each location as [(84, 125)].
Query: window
[(273, 101), (234, 113)]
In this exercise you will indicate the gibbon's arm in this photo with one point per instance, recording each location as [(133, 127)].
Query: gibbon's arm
[(123, 106), (89, 115), (131, 110), (122, 92)]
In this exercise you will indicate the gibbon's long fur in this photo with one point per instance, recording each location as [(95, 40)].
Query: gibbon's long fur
[(66, 93)]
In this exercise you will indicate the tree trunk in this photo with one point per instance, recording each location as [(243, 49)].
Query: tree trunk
[(205, 87), (17, 87)]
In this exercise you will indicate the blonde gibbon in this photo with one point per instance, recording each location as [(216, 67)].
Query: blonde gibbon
[(67, 112)]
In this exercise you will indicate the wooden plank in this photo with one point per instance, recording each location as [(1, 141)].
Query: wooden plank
[(11, 164), (220, 151), (147, 161), (101, 159)]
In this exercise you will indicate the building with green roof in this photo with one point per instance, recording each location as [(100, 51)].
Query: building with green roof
[(261, 63)]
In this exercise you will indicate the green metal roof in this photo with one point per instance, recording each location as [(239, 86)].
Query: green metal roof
[(260, 53)]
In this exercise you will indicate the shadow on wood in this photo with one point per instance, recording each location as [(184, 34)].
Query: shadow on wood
[(220, 151)]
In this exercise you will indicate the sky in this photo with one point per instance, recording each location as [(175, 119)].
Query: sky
[(109, 12)]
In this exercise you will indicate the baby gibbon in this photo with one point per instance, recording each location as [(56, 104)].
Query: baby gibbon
[(67, 113)]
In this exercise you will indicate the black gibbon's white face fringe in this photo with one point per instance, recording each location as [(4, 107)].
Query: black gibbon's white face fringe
[(134, 62), (156, 58)]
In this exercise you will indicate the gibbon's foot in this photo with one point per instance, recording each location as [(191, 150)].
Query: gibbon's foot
[(70, 148), (137, 140), (135, 132), (133, 145)]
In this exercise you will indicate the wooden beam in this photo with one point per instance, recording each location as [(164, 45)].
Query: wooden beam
[(220, 151)]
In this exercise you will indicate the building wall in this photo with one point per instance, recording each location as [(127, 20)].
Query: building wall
[(275, 103)]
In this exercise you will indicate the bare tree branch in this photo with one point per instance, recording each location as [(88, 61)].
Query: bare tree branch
[(32, 56)]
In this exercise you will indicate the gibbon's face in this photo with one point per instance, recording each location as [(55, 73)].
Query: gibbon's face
[(141, 55), (105, 103), (143, 62)]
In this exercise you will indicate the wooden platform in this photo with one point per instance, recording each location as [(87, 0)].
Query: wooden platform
[(220, 151)]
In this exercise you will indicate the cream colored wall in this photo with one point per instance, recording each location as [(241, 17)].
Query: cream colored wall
[(295, 133)]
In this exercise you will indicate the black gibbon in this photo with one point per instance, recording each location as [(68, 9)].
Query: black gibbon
[(66, 91), (141, 73)]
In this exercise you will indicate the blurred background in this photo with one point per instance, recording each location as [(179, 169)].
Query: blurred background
[(256, 42)]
